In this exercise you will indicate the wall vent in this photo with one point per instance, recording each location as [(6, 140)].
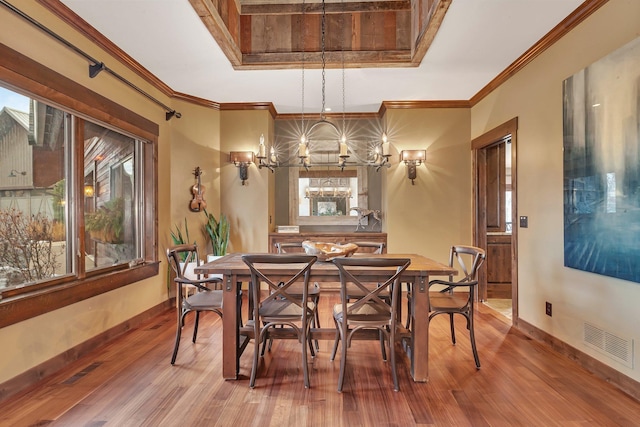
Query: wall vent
[(619, 349)]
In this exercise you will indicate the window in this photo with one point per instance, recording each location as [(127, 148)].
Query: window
[(36, 213), (77, 192)]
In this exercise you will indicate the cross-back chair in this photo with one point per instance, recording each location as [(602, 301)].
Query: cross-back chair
[(193, 292), (458, 296), (370, 247), (353, 292), (369, 310), (314, 290), (280, 304)]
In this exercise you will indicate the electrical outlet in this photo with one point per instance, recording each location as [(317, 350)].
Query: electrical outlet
[(548, 309), (524, 221)]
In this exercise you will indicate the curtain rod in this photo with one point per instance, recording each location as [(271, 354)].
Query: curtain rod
[(96, 66)]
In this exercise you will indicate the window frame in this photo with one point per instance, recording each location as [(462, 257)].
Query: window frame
[(24, 75)]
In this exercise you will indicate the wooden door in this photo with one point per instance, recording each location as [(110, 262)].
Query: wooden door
[(492, 229)]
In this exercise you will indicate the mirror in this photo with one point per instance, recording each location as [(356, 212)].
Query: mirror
[(327, 196)]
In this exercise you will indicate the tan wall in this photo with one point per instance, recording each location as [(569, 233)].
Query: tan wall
[(195, 142), (534, 95), (435, 213), (249, 207)]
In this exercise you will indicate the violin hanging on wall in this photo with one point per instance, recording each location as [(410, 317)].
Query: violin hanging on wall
[(197, 203)]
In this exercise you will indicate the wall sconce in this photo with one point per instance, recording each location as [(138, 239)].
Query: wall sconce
[(14, 173), (89, 190), (413, 159), (272, 162), (242, 159)]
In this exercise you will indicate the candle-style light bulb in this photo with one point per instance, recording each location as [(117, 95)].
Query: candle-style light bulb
[(302, 147), (343, 149), (274, 159), (385, 145), (261, 148)]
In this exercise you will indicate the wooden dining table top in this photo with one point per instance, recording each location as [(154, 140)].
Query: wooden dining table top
[(420, 265)]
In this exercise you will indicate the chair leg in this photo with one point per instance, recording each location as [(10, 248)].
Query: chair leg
[(392, 350), (316, 321), (239, 309), (335, 342), (305, 366), (312, 348), (256, 350), (195, 326), (177, 344), (407, 324), (453, 329), (382, 340), (265, 344), (343, 359), (472, 337)]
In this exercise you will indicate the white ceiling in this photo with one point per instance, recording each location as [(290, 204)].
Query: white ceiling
[(478, 39)]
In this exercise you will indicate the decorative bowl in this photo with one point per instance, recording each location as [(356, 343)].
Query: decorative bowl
[(328, 251)]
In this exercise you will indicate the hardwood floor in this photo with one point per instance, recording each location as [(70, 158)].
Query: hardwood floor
[(130, 382)]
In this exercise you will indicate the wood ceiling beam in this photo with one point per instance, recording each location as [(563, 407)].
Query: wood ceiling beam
[(330, 8)]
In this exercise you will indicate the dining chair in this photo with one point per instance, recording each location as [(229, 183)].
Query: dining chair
[(365, 247), (289, 247), (193, 292), (278, 306), (314, 290), (458, 296), (370, 247), (369, 310)]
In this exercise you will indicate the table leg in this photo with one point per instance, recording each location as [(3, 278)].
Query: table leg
[(420, 330), (231, 329)]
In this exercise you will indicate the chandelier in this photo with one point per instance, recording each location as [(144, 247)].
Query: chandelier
[(336, 151), (328, 188)]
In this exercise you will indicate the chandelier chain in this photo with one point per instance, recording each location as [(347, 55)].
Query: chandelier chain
[(324, 21), (303, 51), (344, 129)]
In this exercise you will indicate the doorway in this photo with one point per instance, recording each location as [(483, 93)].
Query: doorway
[(494, 229)]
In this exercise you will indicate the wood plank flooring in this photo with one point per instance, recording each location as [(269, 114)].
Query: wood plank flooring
[(130, 382)]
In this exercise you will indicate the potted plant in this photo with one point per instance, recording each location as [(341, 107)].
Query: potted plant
[(178, 237), (217, 232), (106, 224)]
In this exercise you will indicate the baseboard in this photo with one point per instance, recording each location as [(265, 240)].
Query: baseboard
[(33, 376), (601, 370)]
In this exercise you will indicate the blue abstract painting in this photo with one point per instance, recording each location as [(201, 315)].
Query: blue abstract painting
[(601, 123)]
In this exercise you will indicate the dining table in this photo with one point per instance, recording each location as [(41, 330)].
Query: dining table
[(235, 272)]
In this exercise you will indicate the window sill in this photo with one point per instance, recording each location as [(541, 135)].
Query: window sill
[(27, 305)]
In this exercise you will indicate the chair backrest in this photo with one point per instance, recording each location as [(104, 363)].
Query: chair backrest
[(360, 272), (289, 247), (294, 269), (370, 247), (468, 260), (182, 258)]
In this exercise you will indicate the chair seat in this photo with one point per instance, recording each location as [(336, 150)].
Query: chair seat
[(209, 300), (445, 301), (366, 311), (282, 309)]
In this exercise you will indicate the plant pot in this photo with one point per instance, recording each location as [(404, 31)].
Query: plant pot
[(188, 271), (213, 258)]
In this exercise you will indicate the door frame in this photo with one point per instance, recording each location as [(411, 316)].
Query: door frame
[(495, 135)]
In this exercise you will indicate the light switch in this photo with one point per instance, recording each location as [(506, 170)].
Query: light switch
[(524, 221)]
